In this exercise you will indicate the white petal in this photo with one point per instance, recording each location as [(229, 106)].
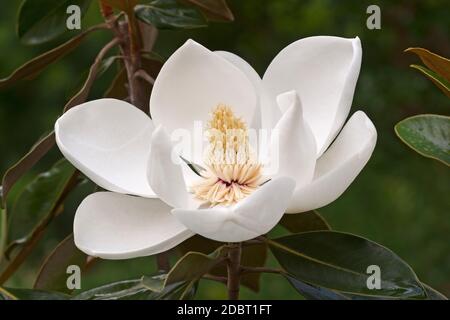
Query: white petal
[(339, 166), (192, 83), (293, 147), (244, 66), (165, 173), (109, 141), (323, 70), (255, 215), (254, 78), (116, 226)]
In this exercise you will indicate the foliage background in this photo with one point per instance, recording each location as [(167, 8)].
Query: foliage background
[(400, 199)]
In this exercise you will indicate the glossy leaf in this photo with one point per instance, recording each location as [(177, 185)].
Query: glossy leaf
[(435, 62), (30, 294), (304, 222), (38, 200), (437, 79), (53, 275), (312, 292), (40, 148), (214, 10), (170, 14), (32, 68), (136, 289), (44, 20), (339, 261), (127, 289), (427, 134), (431, 294)]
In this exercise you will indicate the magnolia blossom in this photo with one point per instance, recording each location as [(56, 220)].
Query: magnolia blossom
[(155, 203)]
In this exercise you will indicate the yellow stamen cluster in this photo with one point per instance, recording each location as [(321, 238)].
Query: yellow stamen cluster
[(231, 173), (228, 138)]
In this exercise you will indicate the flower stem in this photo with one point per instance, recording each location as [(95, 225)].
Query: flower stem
[(128, 32), (234, 270)]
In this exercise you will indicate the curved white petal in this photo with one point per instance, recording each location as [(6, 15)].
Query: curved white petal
[(323, 70), (244, 66), (254, 78), (255, 215), (339, 165), (109, 141), (293, 147), (116, 226), (165, 173), (193, 82)]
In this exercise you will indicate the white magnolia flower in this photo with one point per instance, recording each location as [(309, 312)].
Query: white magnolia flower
[(305, 94)]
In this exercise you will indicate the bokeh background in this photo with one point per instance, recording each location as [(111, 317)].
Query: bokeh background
[(400, 200)]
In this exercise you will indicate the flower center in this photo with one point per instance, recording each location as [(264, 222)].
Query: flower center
[(232, 172)]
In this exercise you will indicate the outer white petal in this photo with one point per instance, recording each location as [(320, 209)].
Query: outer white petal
[(116, 226), (165, 173), (192, 82), (109, 141), (255, 215), (323, 70), (339, 166), (293, 147)]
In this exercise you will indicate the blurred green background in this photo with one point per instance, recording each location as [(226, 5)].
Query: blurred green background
[(400, 200)]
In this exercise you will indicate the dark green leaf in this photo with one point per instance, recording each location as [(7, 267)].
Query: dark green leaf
[(43, 20), (304, 222), (31, 294), (38, 200), (339, 261), (427, 134), (127, 289), (311, 292), (136, 289), (169, 14), (33, 67), (252, 256), (214, 10), (52, 275)]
